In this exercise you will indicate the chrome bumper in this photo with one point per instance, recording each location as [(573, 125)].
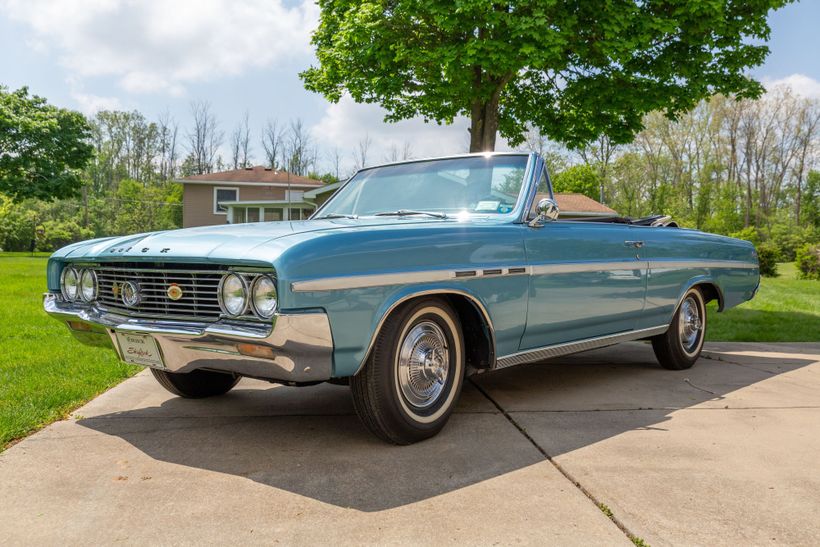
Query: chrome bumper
[(299, 347)]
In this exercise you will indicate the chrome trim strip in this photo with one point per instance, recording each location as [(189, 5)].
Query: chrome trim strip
[(557, 350), (674, 264), (578, 267), (380, 280), (476, 302), (432, 276)]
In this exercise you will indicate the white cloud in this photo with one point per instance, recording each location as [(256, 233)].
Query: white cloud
[(91, 104), (346, 123), (156, 46), (800, 84)]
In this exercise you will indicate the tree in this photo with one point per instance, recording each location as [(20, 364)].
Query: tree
[(273, 137), (576, 70), (580, 179), (241, 144), (42, 148), (204, 139)]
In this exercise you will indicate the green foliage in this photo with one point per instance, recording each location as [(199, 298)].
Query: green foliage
[(808, 262), (811, 200), (132, 208), (59, 233), (574, 70), (749, 233), (44, 372), (42, 147), (785, 309), (580, 179), (17, 226), (788, 238), (768, 254)]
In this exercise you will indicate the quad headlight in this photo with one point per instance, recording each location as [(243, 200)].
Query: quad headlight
[(248, 295), (88, 285), (233, 295), (70, 283), (264, 297), (79, 284)]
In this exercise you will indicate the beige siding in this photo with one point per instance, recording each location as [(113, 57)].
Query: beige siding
[(198, 201)]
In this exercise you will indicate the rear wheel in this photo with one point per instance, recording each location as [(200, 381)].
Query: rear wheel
[(411, 382), (680, 346), (196, 384)]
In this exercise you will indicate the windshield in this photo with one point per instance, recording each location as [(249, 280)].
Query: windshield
[(486, 185)]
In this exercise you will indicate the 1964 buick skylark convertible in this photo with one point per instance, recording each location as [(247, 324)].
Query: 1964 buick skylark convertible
[(411, 276)]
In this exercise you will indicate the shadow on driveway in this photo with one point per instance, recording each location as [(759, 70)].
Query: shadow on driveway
[(308, 441)]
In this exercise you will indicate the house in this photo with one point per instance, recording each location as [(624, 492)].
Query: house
[(259, 194), (571, 205), (253, 194)]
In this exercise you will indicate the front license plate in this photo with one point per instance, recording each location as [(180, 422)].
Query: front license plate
[(140, 349)]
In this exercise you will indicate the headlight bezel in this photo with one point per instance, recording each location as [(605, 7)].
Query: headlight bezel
[(63, 287), (252, 298), (245, 294), (94, 282)]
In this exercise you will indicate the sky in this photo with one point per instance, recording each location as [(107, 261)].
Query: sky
[(157, 56)]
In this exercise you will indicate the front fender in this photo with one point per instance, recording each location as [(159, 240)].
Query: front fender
[(401, 295)]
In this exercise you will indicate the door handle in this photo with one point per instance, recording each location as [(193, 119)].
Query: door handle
[(636, 244)]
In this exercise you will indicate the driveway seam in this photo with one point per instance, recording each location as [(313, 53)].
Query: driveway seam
[(598, 504)]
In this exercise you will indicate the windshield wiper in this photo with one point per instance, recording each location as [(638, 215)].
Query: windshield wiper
[(336, 215), (407, 212)]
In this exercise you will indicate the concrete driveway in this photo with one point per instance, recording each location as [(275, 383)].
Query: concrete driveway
[(727, 453)]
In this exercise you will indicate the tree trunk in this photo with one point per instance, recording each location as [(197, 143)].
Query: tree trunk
[(483, 125)]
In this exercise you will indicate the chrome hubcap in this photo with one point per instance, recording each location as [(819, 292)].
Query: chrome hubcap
[(423, 364), (690, 324)]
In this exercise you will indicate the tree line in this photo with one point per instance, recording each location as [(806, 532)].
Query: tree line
[(730, 166)]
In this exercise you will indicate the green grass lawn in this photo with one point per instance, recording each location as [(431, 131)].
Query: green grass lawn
[(44, 372), (785, 309)]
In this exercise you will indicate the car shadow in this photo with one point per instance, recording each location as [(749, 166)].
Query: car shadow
[(308, 440)]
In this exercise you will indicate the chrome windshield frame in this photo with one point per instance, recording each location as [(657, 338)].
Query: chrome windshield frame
[(515, 215)]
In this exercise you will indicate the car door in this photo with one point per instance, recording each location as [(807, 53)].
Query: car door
[(587, 279)]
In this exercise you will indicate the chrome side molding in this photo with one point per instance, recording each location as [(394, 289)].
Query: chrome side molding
[(557, 350)]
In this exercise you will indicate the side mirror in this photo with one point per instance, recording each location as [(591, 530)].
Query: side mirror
[(547, 211)]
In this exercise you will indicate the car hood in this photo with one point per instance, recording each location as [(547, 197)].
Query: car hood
[(222, 244)]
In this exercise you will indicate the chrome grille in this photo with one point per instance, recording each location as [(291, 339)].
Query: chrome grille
[(199, 286)]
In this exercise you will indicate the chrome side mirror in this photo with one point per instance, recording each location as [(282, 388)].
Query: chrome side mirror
[(547, 211)]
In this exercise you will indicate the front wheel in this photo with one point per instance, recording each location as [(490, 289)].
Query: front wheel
[(680, 346), (197, 383), (411, 382)]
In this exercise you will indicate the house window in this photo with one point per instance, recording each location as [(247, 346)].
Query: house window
[(253, 214), (272, 214), (222, 195), (238, 215)]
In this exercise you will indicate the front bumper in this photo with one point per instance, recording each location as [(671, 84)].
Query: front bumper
[(297, 347)]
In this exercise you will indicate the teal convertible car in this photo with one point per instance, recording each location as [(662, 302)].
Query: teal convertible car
[(410, 277)]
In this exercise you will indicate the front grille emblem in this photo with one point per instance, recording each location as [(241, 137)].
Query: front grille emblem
[(130, 294), (174, 291), (115, 289)]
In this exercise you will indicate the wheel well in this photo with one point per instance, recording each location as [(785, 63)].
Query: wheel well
[(478, 339), (711, 292)]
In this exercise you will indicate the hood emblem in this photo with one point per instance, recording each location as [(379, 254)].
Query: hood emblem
[(174, 291)]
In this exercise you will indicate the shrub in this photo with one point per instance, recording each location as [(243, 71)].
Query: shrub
[(789, 238), (808, 262), (768, 254), (749, 233)]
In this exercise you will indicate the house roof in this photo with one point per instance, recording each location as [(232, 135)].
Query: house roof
[(571, 203), (257, 175), (312, 194)]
